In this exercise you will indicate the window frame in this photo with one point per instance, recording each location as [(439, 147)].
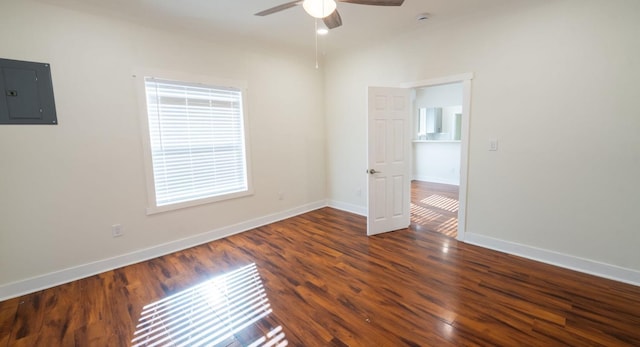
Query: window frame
[(140, 76)]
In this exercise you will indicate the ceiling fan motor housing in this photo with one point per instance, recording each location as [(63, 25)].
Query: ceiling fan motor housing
[(319, 8), (326, 9)]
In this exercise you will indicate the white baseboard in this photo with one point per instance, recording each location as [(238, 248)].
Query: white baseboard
[(344, 206), (33, 284), (30, 285), (437, 180), (591, 267)]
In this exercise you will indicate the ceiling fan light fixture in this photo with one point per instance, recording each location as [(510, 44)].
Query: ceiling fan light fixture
[(319, 8)]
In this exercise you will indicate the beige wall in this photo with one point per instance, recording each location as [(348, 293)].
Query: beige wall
[(557, 84), (62, 187)]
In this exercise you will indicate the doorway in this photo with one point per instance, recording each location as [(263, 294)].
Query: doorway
[(389, 193), (436, 145), (439, 204)]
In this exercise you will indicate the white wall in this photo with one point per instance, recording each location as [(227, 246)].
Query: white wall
[(62, 187), (556, 83), (439, 96), (437, 162)]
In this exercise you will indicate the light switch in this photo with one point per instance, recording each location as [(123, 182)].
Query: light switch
[(493, 144)]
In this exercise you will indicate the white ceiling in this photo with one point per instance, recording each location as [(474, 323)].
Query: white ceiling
[(290, 27)]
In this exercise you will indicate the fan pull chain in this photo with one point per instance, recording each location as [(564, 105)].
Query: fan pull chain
[(316, 33)]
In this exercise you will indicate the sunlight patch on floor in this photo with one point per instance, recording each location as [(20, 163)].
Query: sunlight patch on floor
[(209, 314), (422, 215), (449, 228), (441, 202)]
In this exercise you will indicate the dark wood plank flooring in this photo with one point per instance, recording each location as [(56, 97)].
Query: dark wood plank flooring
[(434, 207), (317, 280)]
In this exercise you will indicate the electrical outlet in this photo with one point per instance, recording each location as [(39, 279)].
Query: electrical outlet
[(117, 230)]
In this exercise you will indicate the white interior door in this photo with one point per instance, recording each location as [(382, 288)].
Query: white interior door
[(389, 172)]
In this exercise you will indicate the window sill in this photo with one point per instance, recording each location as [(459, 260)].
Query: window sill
[(181, 205)]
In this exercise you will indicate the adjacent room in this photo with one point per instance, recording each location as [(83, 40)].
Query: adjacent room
[(435, 184), (273, 173)]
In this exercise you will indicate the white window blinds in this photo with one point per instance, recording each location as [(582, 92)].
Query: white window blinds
[(196, 140)]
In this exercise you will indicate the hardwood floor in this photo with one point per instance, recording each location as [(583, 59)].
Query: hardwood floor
[(317, 280), (434, 207)]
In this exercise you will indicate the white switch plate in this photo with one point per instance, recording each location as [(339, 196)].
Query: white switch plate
[(493, 144), (116, 230)]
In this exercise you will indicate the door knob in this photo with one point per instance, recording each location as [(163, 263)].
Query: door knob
[(373, 171)]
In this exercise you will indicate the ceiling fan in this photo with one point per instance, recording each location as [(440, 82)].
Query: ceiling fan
[(326, 9)]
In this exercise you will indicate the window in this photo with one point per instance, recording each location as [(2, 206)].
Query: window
[(196, 143)]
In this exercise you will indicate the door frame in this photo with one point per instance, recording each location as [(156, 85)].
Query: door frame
[(465, 79)]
